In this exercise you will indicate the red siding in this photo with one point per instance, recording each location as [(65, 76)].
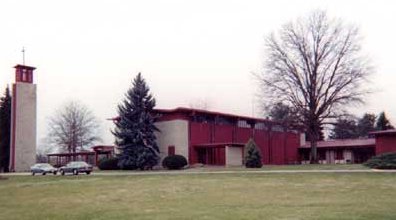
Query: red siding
[(261, 137), (199, 133), (275, 147), (242, 135), (223, 133), (292, 144), (385, 143)]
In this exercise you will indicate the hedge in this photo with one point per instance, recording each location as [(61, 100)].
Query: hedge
[(108, 164), (174, 162), (382, 161)]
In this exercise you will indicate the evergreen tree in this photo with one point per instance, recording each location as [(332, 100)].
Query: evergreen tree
[(135, 128), (252, 155), (284, 114), (366, 125), (383, 123), (344, 128), (5, 130)]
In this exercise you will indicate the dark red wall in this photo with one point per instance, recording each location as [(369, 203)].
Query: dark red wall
[(275, 147), (385, 143), (199, 133)]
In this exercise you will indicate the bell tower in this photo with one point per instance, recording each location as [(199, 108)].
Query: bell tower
[(23, 120)]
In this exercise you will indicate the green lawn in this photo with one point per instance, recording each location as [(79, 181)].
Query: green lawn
[(204, 196)]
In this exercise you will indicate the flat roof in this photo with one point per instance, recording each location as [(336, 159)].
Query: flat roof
[(204, 145), (385, 132), (193, 111), (19, 66), (341, 143), (72, 154)]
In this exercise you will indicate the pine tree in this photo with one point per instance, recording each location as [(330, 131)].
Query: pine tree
[(383, 123), (252, 155), (366, 125), (344, 128), (135, 128), (5, 130)]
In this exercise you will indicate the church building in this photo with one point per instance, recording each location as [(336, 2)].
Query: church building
[(216, 138)]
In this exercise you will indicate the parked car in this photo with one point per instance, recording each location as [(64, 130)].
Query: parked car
[(43, 168), (76, 167)]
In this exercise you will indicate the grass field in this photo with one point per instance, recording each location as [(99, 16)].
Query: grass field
[(204, 196)]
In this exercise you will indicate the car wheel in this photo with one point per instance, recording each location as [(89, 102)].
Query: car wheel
[(62, 172), (33, 173), (88, 172), (55, 172), (44, 173), (75, 172)]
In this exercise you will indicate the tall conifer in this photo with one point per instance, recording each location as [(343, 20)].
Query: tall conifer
[(5, 130), (135, 128), (383, 123)]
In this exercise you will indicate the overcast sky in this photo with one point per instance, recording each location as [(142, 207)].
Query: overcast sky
[(188, 51)]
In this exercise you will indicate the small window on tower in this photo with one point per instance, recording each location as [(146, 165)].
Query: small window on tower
[(24, 76)]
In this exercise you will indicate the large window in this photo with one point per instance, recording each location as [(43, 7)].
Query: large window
[(243, 124), (261, 126), (224, 121)]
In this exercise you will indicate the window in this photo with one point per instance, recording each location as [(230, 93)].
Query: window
[(171, 150), (339, 155), (224, 121), (24, 76), (277, 128), (260, 126), (322, 155), (243, 124)]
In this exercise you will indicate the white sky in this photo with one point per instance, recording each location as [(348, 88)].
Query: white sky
[(187, 50)]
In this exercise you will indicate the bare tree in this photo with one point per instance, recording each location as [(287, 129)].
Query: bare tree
[(315, 66), (73, 128), (200, 103)]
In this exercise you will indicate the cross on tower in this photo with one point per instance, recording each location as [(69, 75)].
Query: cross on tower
[(23, 55)]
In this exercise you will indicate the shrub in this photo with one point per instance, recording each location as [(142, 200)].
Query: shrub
[(174, 162), (109, 164), (252, 155), (382, 161)]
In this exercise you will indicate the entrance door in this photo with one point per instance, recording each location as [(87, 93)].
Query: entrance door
[(211, 156)]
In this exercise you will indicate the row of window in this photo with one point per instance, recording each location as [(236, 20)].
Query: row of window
[(239, 123)]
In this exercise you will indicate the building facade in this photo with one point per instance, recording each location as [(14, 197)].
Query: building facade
[(340, 151), (215, 138)]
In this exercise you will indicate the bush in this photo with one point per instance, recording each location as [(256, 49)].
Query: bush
[(174, 162), (382, 161), (109, 164), (252, 155)]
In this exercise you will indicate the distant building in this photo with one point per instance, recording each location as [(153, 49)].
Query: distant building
[(351, 150), (340, 151)]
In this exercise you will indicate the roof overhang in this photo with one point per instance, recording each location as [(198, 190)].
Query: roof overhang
[(217, 145), (343, 143), (390, 132)]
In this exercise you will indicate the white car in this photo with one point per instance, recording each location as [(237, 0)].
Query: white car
[(43, 168)]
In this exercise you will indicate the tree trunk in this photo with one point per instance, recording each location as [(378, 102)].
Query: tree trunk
[(314, 154)]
